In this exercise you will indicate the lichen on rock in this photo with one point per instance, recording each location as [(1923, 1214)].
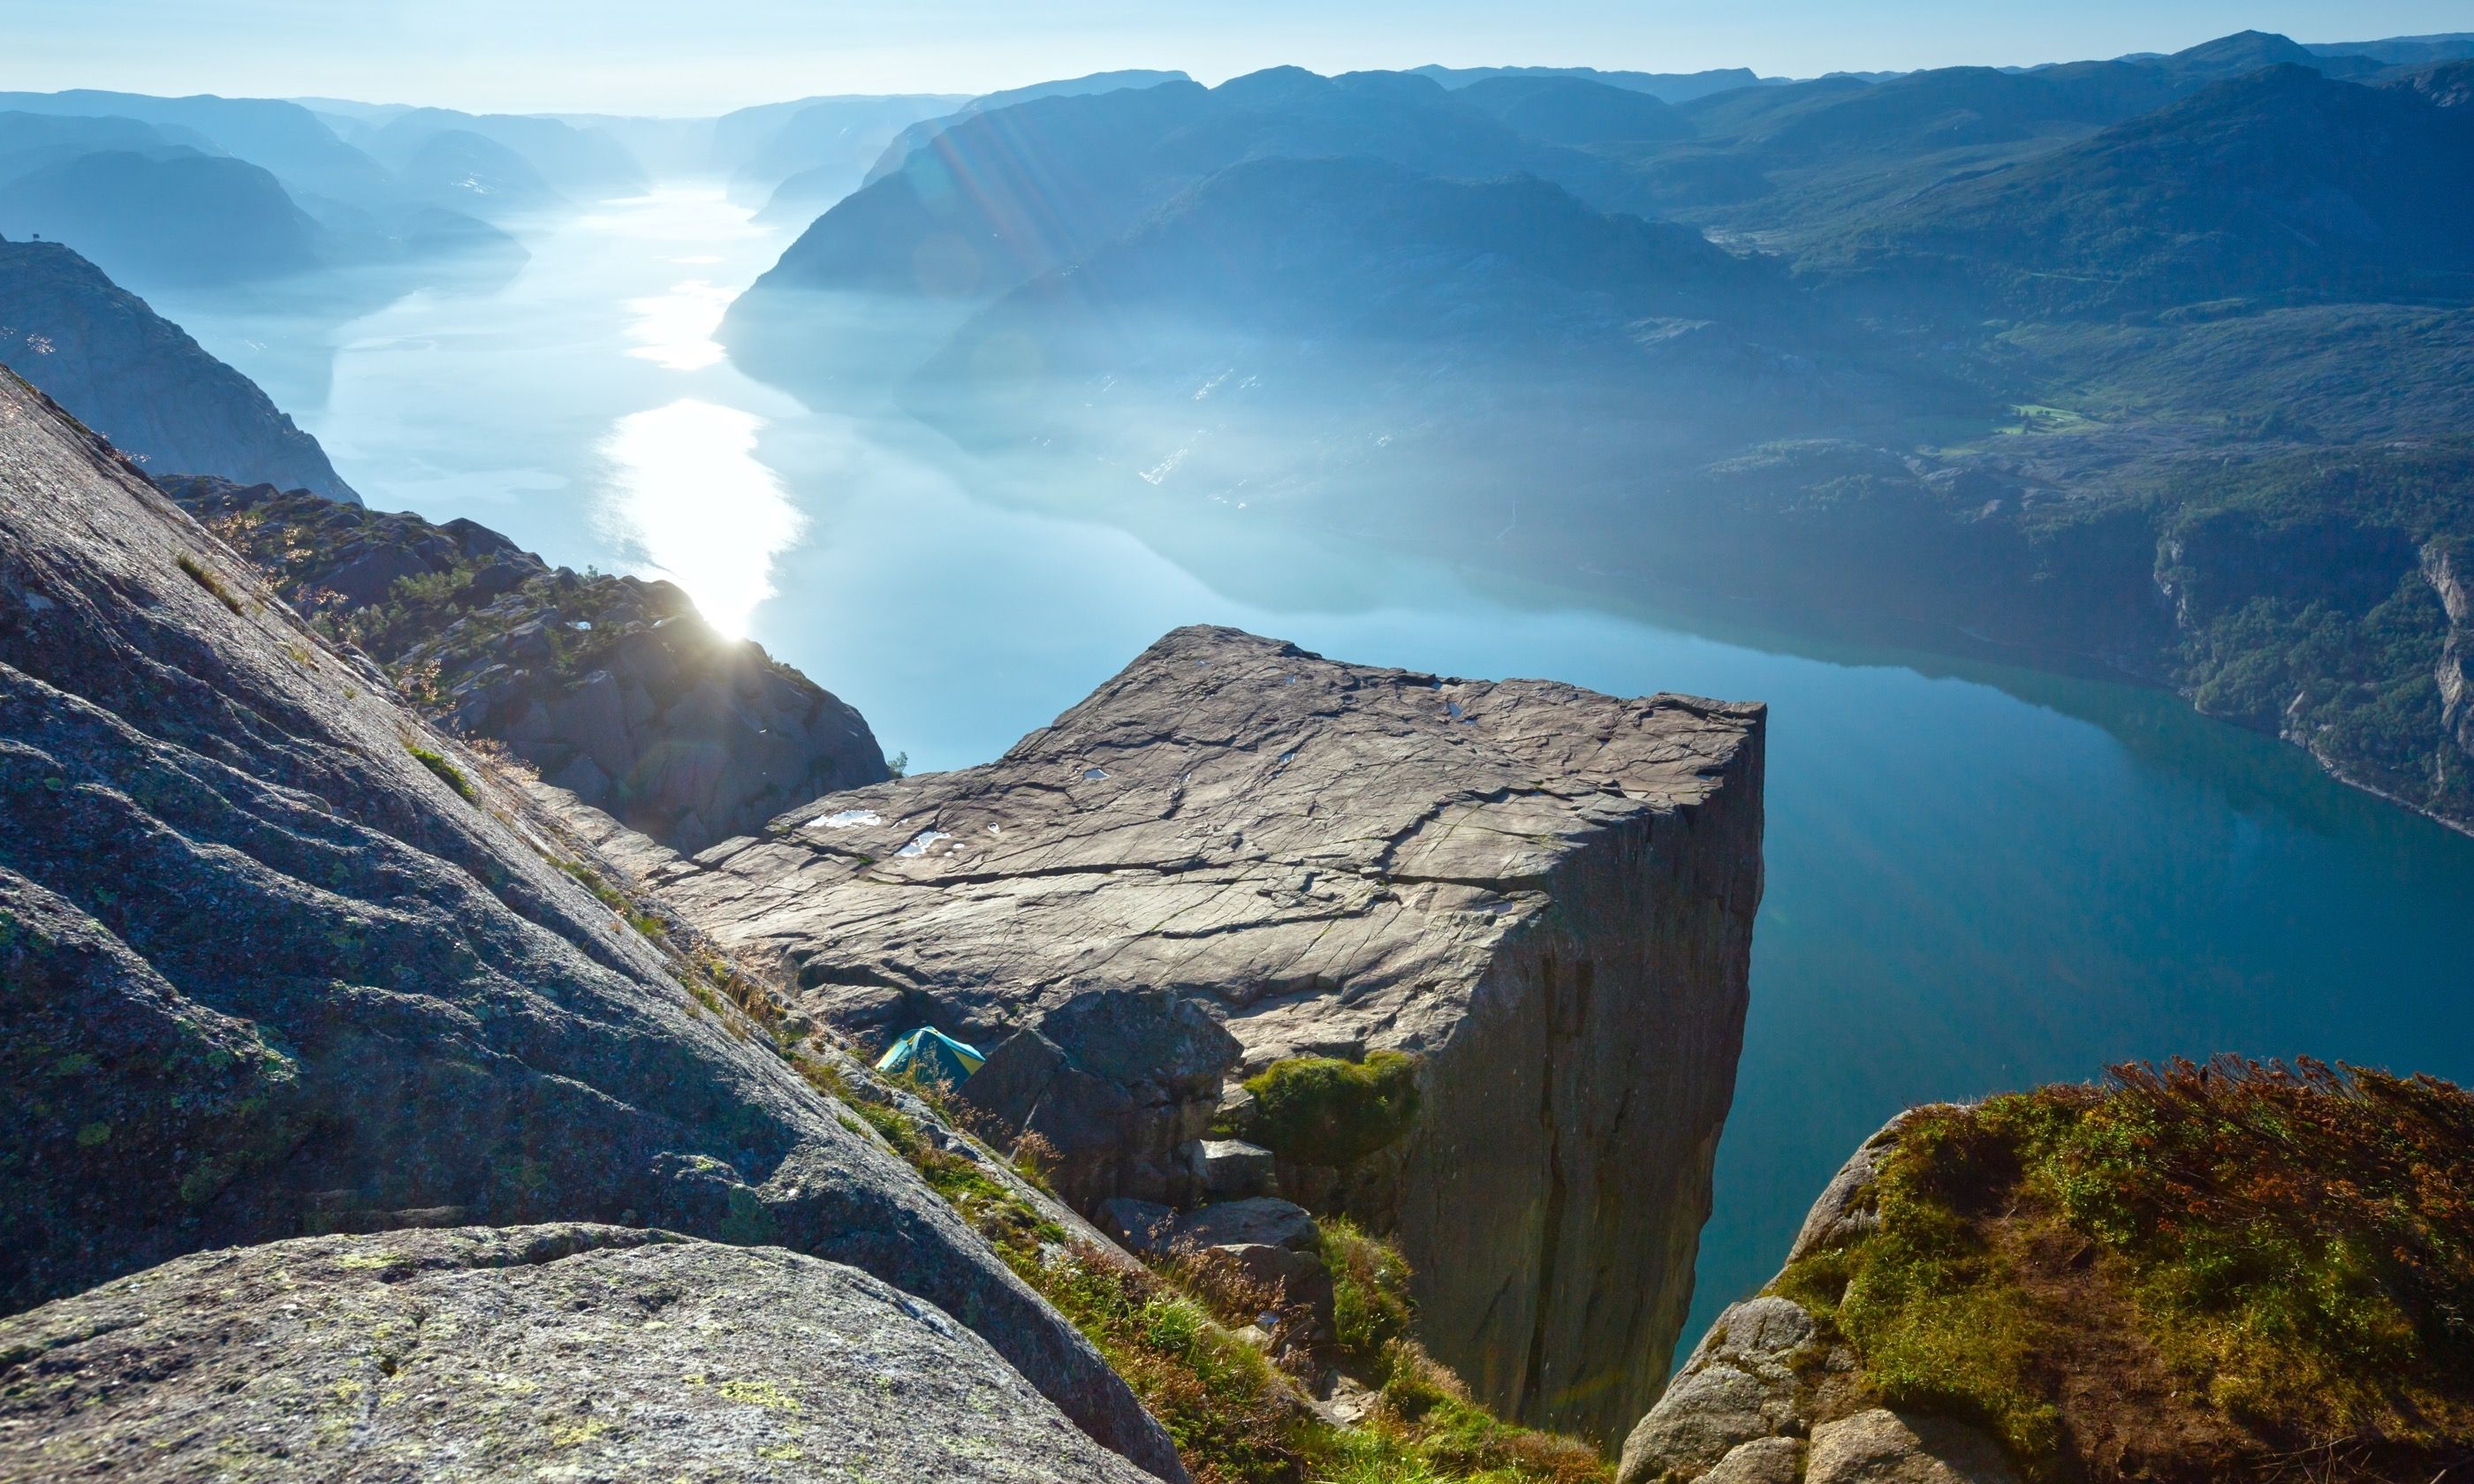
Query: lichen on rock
[(560, 1352)]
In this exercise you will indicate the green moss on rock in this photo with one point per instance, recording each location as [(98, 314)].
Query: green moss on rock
[(1319, 1110)]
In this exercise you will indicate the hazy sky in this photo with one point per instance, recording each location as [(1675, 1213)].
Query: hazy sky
[(681, 57)]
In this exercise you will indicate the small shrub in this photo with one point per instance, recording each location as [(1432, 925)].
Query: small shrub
[(448, 772), (1369, 1287), (1319, 1110), (205, 577)]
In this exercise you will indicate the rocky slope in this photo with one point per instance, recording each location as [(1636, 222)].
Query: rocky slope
[(1236, 853), (614, 688), (124, 370), (567, 1350), (2236, 1271), (277, 959)]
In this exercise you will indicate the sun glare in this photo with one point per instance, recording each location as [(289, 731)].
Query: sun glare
[(689, 490)]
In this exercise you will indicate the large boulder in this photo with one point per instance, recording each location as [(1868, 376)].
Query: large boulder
[(1769, 1395), (1118, 1082), (277, 959), (1544, 895), (550, 1352)]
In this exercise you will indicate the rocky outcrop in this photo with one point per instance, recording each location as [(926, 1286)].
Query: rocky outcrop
[(277, 959), (1123, 1082), (1545, 895), (2168, 1275), (614, 688), (2449, 567), (566, 1352), (119, 366), (1770, 1395)]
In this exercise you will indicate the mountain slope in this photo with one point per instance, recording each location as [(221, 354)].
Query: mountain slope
[(1002, 196), (118, 366), (583, 162), (463, 171), (1370, 348), (282, 137), (277, 959), (1574, 110), (2282, 184), (615, 688), (177, 221), (31, 141)]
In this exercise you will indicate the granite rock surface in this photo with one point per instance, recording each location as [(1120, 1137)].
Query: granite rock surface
[(277, 959), (1544, 894), (567, 1350)]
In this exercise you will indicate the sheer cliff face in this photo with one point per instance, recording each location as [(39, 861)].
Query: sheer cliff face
[(1546, 893), (133, 376), (272, 964)]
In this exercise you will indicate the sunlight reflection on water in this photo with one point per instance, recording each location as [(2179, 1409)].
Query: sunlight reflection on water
[(690, 491), (674, 331)]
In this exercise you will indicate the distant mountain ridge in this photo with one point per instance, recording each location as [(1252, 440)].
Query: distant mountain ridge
[(2282, 182), (1665, 87), (212, 194), (2158, 361), (115, 364)]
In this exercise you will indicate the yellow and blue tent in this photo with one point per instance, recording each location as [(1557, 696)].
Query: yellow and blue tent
[(932, 1055)]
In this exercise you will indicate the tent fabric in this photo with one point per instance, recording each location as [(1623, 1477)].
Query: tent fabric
[(929, 1053)]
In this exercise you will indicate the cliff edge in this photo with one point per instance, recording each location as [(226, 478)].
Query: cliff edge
[(1236, 855)]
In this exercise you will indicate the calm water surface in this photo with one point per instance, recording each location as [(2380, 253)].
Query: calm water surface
[(1979, 878)]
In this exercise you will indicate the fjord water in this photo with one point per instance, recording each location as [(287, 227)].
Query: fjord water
[(1980, 877)]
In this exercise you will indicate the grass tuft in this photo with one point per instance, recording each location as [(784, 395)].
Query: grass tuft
[(205, 577), (448, 772)]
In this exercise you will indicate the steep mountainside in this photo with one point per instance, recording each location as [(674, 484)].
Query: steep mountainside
[(31, 141), (587, 164), (282, 137), (463, 171), (125, 370), (179, 220), (280, 960), (1542, 895), (614, 688), (1000, 196), (2282, 183), (2186, 1273), (242, 193), (1377, 349), (910, 141)]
